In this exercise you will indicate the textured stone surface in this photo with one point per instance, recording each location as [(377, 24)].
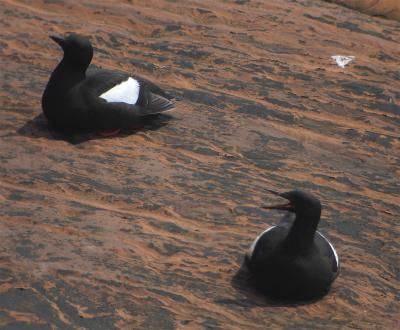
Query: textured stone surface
[(148, 229), (384, 8)]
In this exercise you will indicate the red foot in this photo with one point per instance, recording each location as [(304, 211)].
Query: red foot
[(110, 132)]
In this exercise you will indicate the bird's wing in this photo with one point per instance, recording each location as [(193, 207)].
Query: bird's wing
[(153, 88), (152, 103), (256, 241), (105, 79), (327, 250), (120, 93), (265, 244), (99, 81)]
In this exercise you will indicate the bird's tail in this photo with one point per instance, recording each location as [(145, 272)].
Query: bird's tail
[(156, 104)]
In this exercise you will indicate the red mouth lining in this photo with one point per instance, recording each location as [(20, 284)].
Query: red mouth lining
[(286, 206)]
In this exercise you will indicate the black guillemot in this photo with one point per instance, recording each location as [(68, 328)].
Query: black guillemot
[(82, 99), (294, 262)]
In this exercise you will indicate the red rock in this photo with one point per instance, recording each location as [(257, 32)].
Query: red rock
[(148, 229)]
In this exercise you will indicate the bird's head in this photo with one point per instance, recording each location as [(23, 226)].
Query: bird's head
[(299, 202), (77, 49)]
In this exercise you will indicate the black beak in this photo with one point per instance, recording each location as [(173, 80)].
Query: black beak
[(287, 206), (60, 40), (274, 192)]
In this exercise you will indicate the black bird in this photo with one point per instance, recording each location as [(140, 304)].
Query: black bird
[(294, 262), (78, 99)]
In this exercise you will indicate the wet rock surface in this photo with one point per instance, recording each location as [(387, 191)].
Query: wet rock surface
[(148, 229)]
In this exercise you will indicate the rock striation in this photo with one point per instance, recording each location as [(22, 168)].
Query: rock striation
[(148, 229)]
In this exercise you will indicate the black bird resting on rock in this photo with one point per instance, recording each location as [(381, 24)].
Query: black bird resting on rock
[(294, 262), (78, 99)]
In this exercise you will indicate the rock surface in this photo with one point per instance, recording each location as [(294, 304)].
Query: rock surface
[(385, 8), (148, 229)]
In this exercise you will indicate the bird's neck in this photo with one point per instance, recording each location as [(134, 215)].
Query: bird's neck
[(66, 75), (301, 234)]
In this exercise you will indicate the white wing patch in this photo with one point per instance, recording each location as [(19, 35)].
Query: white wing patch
[(253, 245), (127, 92), (333, 249)]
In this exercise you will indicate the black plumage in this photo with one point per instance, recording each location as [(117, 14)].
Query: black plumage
[(294, 261), (72, 102)]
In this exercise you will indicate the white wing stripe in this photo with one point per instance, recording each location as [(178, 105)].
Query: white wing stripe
[(127, 92)]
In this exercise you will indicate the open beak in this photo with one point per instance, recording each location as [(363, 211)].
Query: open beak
[(286, 206), (59, 40)]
